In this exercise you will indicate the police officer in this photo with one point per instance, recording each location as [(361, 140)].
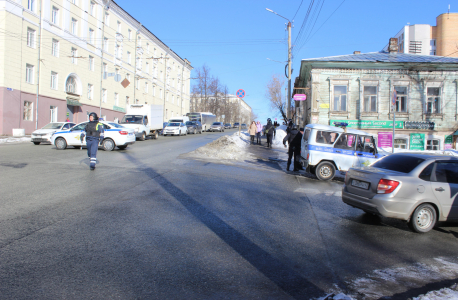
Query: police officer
[(270, 132), (294, 138), (94, 136), (289, 126)]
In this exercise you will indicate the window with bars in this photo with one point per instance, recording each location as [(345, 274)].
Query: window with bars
[(31, 37), (401, 98), (29, 73), (433, 100), (370, 99), (54, 78), (28, 111), (55, 48)]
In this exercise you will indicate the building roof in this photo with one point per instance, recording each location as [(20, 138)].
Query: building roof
[(385, 57)]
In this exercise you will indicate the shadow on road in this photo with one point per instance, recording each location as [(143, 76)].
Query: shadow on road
[(283, 276)]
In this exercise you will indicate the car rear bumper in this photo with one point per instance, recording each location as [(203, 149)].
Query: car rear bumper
[(41, 140), (381, 204)]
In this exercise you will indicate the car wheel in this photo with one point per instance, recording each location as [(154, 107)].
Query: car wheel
[(325, 171), (36, 143), (155, 135), (164, 135), (423, 219), (143, 136), (76, 147), (122, 147), (108, 145), (61, 144)]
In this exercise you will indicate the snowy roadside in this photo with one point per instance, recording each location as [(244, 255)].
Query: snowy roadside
[(9, 140)]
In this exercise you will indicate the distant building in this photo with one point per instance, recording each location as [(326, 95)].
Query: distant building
[(224, 106), (358, 89), (74, 79), (426, 39)]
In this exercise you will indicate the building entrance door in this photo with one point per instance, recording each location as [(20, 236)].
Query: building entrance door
[(69, 117)]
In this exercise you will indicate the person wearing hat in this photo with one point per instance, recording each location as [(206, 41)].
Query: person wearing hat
[(270, 132), (94, 137), (294, 139)]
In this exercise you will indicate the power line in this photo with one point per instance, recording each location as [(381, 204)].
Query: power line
[(297, 10)]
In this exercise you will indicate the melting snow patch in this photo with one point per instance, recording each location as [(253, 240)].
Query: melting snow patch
[(232, 147), (442, 294), (9, 140)]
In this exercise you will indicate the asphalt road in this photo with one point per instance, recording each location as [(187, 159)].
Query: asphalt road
[(151, 224)]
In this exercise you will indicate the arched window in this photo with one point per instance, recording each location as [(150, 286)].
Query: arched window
[(71, 85)]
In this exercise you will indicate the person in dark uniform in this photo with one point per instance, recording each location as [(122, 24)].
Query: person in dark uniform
[(270, 132), (294, 138), (94, 137), (289, 126)]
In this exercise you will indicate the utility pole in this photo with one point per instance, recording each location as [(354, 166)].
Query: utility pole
[(288, 111), (38, 66)]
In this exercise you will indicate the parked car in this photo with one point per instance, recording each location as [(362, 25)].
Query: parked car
[(227, 126), (217, 126), (236, 125), (325, 149), (175, 128), (194, 127), (244, 126), (115, 136), (419, 188), (44, 134)]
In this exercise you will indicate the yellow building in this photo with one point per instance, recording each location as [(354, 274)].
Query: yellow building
[(75, 76)]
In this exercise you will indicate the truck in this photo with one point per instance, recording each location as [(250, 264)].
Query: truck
[(145, 119)]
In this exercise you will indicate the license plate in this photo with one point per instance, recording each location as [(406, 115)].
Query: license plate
[(131, 133), (360, 184)]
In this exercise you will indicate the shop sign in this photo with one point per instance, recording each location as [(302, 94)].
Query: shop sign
[(419, 125), (448, 142), (324, 105), (120, 109), (385, 139), (370, 124), (417, 141)]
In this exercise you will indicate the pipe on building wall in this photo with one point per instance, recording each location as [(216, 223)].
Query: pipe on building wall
[(39, 62)]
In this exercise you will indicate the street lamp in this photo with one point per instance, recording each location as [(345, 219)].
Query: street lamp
[(288, 108)]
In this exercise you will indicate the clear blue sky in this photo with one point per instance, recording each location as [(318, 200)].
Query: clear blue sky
[(235, 38)]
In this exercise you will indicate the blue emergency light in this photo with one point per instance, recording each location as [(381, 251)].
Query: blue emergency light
[(340, 124)]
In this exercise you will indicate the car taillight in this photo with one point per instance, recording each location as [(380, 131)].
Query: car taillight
[(123, 132), (386, 186), (308, 155)]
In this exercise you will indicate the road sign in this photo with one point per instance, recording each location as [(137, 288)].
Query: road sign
[(240, 93), (118, 77), (300, 97)]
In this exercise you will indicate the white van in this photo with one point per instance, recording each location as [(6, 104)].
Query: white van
[(182, 119), (325, 149)]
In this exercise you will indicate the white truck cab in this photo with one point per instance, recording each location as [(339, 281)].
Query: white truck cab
[(145, 119), (325, 149)]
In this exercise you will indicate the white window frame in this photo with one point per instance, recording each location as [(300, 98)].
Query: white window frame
[(55, 15), (127, 100), (31, 5), (92, 8), (430, 99), (91, 63), (147, 67), (129, 34), (105, 44), (90, 91), (53, 113), (71, 86), (74, 26), (399, 97), (439, 138), (91, 36), (31, 37), (55, 48), (104, 96), (29, 73), (119, 27), (340, 99), (54, 80), (74, 56), (107, 19), (27, 113), (129, 57), (146, 87), (116, 99), (368, 83)]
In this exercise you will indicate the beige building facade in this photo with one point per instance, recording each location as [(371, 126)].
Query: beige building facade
[(93, 58)]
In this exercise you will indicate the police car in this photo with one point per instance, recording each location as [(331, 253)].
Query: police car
[(325, 149), (115, 136)]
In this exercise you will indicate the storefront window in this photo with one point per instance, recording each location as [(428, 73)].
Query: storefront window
[(432, 145), (400, 143)]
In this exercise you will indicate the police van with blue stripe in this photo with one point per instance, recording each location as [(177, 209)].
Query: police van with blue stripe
[(326, 149), (115, 136)]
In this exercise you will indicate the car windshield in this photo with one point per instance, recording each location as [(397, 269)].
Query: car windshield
[(53, 126), (216, 123), (129, 119), (190, 123), (175, 121), (398, 163), (115, 125), (173, 124)]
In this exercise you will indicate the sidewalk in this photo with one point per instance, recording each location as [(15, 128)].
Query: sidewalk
[(14, 140)]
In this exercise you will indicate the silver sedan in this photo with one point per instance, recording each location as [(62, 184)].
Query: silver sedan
[(421, 189)]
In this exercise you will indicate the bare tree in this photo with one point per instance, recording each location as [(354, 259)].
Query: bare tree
[(276, 98), (201, 90)]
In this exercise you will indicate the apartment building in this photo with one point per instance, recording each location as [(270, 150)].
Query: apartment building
[(427, 39), (63, 59)]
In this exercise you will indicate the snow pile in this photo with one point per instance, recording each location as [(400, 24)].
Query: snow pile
[(232, 147), (277, 142), (442, 294), (14, 140), (336, 297)]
